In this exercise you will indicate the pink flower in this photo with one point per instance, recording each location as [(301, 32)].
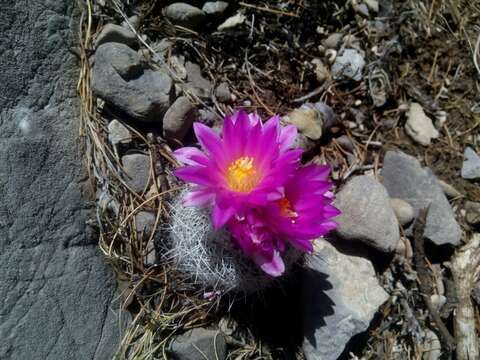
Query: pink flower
[(306, 210), (257, 241), (255, 184), (246, 167)]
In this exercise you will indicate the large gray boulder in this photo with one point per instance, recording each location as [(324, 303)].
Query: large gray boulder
[(404, 178), (56, 291), (340, 297)]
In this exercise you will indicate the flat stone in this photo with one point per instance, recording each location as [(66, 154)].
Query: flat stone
[(471, 164), (404, 178), (118, 133), (367, 214), (419, 126), (137, 171), (117, 34), (349, 64), (199, 344), (403, 210), (340, 297), (185, 15), (56, 289), (121, 79), (179, 118), (215, 8)]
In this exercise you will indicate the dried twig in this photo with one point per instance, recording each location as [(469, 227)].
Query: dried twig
[(466, 270)]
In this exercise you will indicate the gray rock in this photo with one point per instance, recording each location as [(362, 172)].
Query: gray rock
[(340, 297), (56, 290), (345, 142), (117, 34), (134, 21), (199, 344), (215, 8), (361, 9), (404, 178), (471, 165), (137, 171), (403, 210), (372, 5), (472, 215), (349, 64), (367, 214), (185, 15), (419, 126), (118, 133), (196, 83), (312, 119), (179, 119), (120, 78), (303, 142), (223, 94), (145, 222), (333, 41)]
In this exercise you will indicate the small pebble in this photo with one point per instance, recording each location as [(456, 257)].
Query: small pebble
[(223, 94), (215, 8), (117, 34), (349, 65), (472, 213), (118, 133), (419, 126), (232, 22), (333, 41), (137, 171), (449, 190), (471, 165)]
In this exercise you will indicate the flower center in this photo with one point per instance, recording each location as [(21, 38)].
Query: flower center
[(242, 176), (286, 209)]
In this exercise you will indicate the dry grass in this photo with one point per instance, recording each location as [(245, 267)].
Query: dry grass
[(165, 302)]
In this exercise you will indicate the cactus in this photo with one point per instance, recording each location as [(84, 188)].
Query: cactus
[(210, 258)]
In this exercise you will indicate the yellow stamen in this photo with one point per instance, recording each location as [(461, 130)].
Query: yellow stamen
[(286, 209), (242, 176)]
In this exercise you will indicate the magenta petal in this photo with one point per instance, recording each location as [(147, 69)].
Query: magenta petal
[(288, 134), (220, 215), (195, 174), (274, 266), (210, 141), (190, 156), (200, 197)]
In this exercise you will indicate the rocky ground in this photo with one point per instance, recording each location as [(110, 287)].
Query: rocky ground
[(386, 92)]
